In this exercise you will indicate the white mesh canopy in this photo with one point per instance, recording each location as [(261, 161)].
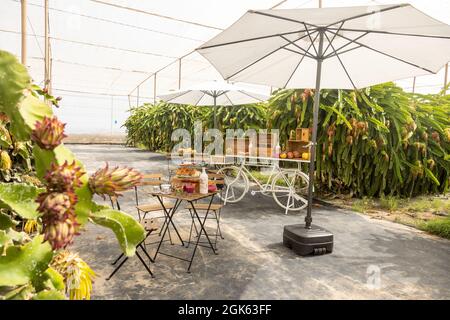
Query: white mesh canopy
[(104, 52)]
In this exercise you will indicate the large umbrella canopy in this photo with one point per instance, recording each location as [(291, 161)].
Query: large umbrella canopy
[(340, 48), (369, 45), (214, 93)]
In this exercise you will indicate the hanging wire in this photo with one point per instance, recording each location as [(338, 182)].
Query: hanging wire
[(156, 15), (35, 36), (95, 45), (92, 66)]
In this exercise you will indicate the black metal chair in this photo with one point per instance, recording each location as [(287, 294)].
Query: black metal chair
[(215, 208), (151, 179), (149, 227)]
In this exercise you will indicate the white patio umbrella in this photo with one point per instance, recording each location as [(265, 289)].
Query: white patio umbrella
[(214, 93), (338, 48)]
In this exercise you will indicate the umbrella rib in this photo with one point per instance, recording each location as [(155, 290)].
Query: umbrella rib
[(263, 57), (297, 52), (342, 52), (345, 45), (342, 64), (332, 39), (283, 18), (177, 96), (201, 97), (369, 13), (384, 53), (226, 96), (310, 38), (222, 93), (297, 46), (250, 39), (247, 94), (393, 33), (298, 65)]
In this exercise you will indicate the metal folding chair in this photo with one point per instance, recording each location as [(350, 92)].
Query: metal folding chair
[(151, 179), (215, 208), (149, 227)]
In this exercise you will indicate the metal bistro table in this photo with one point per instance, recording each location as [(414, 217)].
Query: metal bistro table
[(191, 198)]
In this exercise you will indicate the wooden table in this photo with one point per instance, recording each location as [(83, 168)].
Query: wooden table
[(179, 198)]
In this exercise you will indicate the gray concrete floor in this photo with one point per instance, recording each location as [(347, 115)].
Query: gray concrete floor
[(372, 259)]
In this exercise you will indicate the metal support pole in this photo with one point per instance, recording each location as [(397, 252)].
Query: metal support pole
[(112, 113), (24, 31), (320, 3), (47, 48), (179, 74), (445, 78), (414, 85), (215, 109), (308, 218), (154, 90), (137, 97)]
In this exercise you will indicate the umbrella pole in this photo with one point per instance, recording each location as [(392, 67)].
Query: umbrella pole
[(215, 111), (305, 239), (312, 158)]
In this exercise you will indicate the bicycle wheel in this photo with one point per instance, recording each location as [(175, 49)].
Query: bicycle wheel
[(290, 190), (236, 184)]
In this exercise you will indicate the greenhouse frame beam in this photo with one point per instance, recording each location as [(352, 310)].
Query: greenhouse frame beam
[(23, 20)]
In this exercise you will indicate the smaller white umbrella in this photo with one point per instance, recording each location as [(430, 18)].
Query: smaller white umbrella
[(214, 93)]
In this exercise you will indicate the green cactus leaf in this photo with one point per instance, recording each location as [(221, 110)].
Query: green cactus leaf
[(23, 263), (6, 221), (14, 79), (20, 198), (128, 231), (49, 295), (50, 280)]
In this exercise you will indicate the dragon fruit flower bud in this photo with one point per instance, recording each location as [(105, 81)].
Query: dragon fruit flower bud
[(56, 206), (60, 233), (48, 133), (108, 181), (64, 177)]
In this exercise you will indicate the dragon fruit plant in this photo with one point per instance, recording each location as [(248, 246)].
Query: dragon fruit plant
[(46, 196)]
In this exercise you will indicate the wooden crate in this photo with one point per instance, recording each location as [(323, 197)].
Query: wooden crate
[(265, 140), (302, 134), (265, 151), (236, 145), (297, 145)]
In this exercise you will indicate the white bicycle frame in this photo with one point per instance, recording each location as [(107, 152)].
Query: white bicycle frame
[(267, 187)]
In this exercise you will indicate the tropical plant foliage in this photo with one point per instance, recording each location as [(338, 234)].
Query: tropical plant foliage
[(371, 142), (29, 248), (375, 141), (151, 126)]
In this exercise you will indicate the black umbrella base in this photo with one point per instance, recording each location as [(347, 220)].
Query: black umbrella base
[(314, 241)]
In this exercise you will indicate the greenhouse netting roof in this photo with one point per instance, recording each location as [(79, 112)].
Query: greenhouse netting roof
[(108, 55)]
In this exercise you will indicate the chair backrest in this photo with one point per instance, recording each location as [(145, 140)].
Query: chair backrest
[(148, 179), (218, 180)]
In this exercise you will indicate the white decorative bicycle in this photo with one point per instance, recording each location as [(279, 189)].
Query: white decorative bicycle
[(288, 187)]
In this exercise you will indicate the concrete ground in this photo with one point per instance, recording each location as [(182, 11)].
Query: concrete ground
[(372, 259)]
